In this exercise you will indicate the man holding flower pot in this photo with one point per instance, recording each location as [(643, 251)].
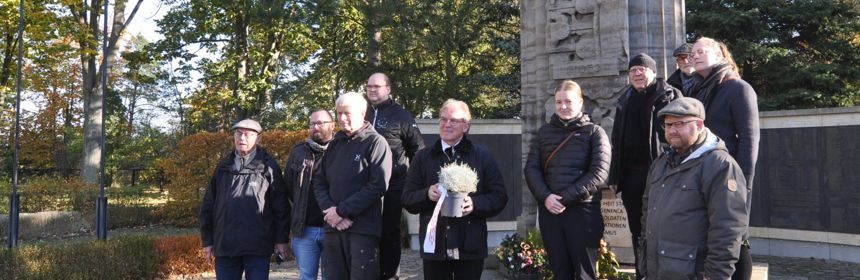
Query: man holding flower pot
[(456, 246)]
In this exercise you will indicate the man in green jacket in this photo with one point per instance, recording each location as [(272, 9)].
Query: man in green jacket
[(695, 210)]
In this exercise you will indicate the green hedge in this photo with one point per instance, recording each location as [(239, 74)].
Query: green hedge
[(129, 257)]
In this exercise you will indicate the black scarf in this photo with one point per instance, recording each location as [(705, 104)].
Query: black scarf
[(316, 147), (706, 90)]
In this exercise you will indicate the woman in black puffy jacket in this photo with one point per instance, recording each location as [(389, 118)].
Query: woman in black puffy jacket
[(568, 161)]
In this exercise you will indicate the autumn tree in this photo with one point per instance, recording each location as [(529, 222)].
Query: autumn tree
[(87, 15), (238, 47)]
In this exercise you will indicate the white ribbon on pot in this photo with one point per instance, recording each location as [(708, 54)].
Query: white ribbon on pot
[(430, 236)]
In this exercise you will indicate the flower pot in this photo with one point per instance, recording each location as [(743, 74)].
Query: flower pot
[(453, 205)]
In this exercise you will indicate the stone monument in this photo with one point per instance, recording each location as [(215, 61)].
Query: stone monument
[(591, 42)]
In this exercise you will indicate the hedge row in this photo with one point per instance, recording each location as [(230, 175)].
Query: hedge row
[(120, 258)]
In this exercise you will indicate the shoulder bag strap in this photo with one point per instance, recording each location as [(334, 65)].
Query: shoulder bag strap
[(551, 155)]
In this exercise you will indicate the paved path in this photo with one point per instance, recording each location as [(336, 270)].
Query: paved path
[(410, 269), (779, 268)]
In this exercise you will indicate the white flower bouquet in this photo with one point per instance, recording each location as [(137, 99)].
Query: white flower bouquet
[(458, 178)]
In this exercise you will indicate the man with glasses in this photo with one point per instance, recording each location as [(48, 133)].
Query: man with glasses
[(307, 219), (637, 137), (245, 214), (460, 244), (348, 185), (696, 211), (398, 127), (683, 77)]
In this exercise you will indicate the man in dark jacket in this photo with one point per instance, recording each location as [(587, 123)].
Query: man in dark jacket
[(683, 78), (245, 213), (307, 220), (637, 137), (348, 185), (398, 127), (696, 202), (460, 246)]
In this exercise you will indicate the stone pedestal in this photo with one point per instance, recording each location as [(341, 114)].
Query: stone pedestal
[(615, 232), (590, 42)]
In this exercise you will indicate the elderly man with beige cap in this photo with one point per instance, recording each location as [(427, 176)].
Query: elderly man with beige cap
[(695, 210), (245, 213)]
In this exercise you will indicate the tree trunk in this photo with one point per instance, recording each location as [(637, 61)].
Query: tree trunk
[(11, 43), (92, 99), (93, 107), (374, 36)]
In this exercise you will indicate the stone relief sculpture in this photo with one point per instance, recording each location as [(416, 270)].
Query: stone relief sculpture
[(586, 38)]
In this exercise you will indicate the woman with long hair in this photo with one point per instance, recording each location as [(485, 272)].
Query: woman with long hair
[(732, 110)]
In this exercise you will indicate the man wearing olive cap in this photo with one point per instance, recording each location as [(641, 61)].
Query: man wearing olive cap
[(245, 212), (695, 210)]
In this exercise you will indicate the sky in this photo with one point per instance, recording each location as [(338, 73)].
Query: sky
[(144, 22)]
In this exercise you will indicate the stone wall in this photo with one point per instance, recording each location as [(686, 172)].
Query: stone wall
[(590, 42)]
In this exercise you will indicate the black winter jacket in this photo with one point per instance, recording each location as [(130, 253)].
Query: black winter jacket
[(469, 233), (675, 80), (398, 127), (353, 176), (245, 212), (664, 93), (731, 112), (577, 170), (298, 175)]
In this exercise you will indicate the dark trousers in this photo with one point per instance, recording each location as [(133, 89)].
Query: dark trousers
[(571, 240), (743, 269), (390, 244), (453, 269), (350, 256), (230, 268), (633, 188)]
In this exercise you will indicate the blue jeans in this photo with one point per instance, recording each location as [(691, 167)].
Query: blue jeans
[(231, 268), (308, 249)]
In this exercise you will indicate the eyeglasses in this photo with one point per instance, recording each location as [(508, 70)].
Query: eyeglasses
[(637, 69), (246, 133), (676, 125), (452, 121), (315, 124), (374, 87)]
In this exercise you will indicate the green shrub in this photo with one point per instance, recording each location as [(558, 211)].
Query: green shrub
[(127, 257), (122, 216), (121, 258)]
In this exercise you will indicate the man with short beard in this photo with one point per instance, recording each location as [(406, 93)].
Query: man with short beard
[(348, 185), (307, 219), (637, 137), (696, 210), (398, 127)]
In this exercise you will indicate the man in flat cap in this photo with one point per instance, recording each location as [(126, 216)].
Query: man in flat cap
[(637, 137), (245, 212), (683, 77), (695, 205)]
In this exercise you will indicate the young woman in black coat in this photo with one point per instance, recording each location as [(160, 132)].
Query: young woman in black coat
[(567, 162)]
